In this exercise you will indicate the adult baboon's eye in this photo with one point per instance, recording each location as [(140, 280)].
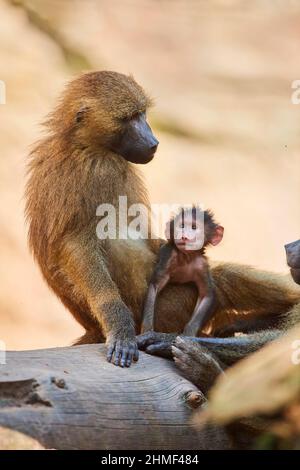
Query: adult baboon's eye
[(80, 113), (125, 119), (129, 118), (135, 115)]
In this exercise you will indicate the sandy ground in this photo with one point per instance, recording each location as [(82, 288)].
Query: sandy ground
[(229, 134)]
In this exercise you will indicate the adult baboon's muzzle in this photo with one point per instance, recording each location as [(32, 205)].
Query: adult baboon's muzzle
[(293, 254)]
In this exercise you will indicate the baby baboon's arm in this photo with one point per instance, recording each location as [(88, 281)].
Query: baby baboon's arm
[(227, 350), (232, 349), (205, 306), (159, 280)]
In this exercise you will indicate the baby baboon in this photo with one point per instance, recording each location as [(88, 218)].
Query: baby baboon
[(201, 360), (96, 135), (193, 357), (182, 259)]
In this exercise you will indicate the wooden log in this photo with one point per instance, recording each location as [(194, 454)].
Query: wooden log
[(72, 398)]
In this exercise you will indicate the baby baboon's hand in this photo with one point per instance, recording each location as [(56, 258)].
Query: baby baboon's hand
[(158, 344), (124, 351)]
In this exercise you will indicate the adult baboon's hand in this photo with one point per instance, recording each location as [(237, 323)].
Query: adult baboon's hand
[(124, 351)]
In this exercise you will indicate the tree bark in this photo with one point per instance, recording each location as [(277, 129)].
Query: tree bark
[(72, 398)]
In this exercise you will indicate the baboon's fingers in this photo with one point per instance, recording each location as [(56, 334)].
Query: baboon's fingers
[(183, 344), (125, 357), (117, 354), (162, 349), (177, 352), (189, 347), (154, 338), (132, 355), (187, 367), (136, 354), (128, 360), (124, 352), (110, 352), (181, 356), (144, 340), (181, 365), (192, 370), (179, 341)]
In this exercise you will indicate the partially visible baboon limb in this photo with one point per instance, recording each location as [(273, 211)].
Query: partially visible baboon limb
[(196, 363), (227, 350)]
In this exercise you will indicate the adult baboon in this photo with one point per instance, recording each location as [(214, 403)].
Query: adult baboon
[(96, 135)]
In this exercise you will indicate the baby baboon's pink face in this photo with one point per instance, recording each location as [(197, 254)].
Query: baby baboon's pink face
[(189, 234)]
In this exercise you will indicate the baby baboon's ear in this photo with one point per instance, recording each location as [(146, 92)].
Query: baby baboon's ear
[(217, 235)]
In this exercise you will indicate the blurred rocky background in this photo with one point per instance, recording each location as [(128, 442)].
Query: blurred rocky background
[(221, 73)]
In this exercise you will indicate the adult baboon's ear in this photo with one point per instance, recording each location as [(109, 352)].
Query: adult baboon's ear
[(81, 112)]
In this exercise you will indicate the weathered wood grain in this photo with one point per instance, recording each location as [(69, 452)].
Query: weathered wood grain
[(71, 398)]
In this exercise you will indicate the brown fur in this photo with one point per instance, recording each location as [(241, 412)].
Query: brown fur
[(71, 172)]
